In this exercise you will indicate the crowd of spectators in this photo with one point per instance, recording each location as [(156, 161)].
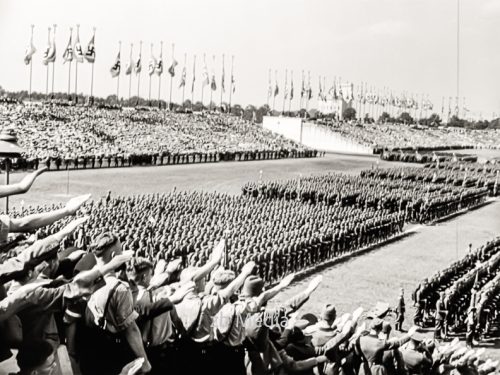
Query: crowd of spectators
[(178, 283), (397, 136), (62, 137)]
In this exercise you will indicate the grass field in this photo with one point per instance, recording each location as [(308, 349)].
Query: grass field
[(363, 280)]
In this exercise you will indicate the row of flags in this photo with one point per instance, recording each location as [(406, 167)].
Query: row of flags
[(155, 66), (346, 92), (73, 51)]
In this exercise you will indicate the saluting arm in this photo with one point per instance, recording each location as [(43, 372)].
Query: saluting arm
[(217, 254), (22, 186)]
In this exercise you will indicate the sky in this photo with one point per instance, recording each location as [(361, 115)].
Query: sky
[(403, 45)]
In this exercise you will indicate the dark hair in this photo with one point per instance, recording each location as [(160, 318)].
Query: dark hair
[(103, 242), (33, 354)]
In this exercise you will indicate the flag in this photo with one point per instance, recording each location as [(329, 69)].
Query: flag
[(171, 69), (49, 55), (320, 89), (115, 69), (68, 52), (78, 48), (291, 89), (128, 69), (276, 90), (213, 85), (159, 67), (90, 52), (206, 79), (303, 89), (222, 83), (233, 83), (270, 88), (194, 74), (30, 51), (183, 78), (138, 65), (152, 65)]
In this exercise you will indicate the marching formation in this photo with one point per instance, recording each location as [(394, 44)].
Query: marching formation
[(174, 283), (464, 296)]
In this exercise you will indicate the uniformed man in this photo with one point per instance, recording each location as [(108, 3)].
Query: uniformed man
[(400, 311), (416, 357), (110, 338)]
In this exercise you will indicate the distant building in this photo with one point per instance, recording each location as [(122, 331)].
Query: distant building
[(337, 100)]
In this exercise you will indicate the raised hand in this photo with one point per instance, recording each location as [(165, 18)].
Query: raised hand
[(412, 331), (71, 227), (122, 258), (313, 285), (75, 203), (248, 268), (133, 367), (357, 314), (286, 281), (174, 266), (182, 291), (218, 252), (27, 181)]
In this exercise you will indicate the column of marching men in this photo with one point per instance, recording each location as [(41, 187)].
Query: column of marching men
[(173, 283), (464, 297)]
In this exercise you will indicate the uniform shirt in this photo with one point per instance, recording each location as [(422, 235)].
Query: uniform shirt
[(4, 229), (229, 323), (120, 314), (197, 313)]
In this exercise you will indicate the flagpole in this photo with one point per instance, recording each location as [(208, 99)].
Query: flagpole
[(76, 65), (309, 91), (92, 70), (47, 70), (159, 77), (184, 78), (231, 84), (171, 79), (118, 80), (31, 59), (269, 89), (284, 90), (139, 73), (203, 83), (192, 84), (211, 90), (301, 92), (131, 72), (150, 74), (290, 93), (275, 84), (54, 63), (69, 66), (222, 81)]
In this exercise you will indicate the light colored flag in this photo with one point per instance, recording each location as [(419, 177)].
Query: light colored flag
[(152, 64), (206, 79), (68, 52), (30, 51), (159, 67), (194, 74), (115, 69), (183, 78), (171, 69), (90, 52), (49, 55), (129, 68), (78, 48)]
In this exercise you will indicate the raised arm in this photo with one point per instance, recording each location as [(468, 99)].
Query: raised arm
[(35, 221), (265, 296), (22, 186), (238, 281), (216, 258)]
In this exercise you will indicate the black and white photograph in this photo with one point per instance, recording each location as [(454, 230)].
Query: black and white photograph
[(266, 187)]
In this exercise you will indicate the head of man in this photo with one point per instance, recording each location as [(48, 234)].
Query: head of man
[(37, 358), (105, 247), (140, 271), (329, 314)]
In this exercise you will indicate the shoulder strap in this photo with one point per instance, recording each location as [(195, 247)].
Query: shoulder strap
[(226, 336), (102, 319)]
